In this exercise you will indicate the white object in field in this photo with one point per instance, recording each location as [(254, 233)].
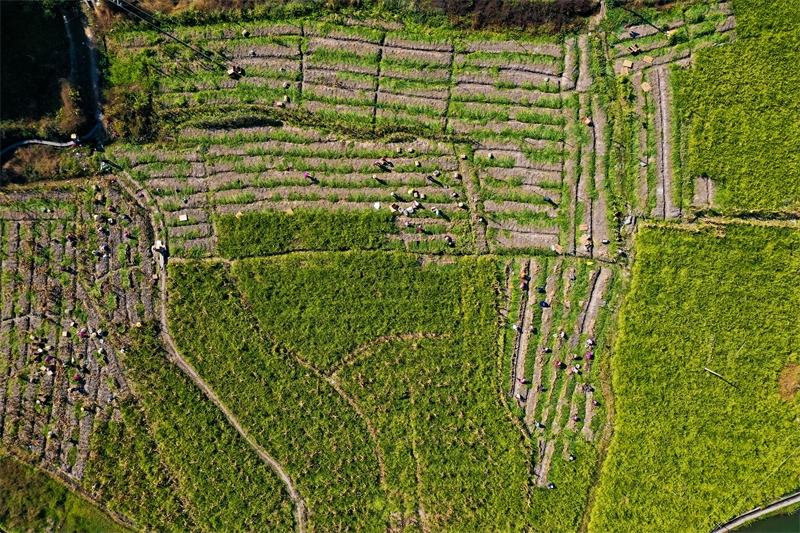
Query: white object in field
[(183, 218), (377, 206)]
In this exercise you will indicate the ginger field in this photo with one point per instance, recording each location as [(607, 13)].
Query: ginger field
[(372, 269)]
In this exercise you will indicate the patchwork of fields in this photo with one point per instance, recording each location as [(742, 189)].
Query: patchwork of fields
[(500, 109), (387, 279)]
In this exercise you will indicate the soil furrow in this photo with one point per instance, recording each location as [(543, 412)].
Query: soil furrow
[(544, 465), (599, 228), (665, 207), (595, 300), (584, 79)]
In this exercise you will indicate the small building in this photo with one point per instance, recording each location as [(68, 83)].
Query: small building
[(235, 72), (161, 250)]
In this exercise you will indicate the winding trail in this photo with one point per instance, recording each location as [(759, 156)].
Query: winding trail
[(130, 187), (300, 505)]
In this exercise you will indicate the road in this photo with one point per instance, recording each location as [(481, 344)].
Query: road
[(759, 512)]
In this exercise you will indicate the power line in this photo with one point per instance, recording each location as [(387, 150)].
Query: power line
[(120, 3)]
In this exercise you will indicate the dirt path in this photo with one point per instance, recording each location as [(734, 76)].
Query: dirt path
[(600, 230), (665, 206), (370, 428), (166, 338), (599, 283), (594, 21), (381, 340)]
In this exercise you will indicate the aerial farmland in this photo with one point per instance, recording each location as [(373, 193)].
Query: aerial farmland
[(400, 266)]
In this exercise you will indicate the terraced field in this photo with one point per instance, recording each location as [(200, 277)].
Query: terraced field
[(69, 277), (499, 107), (645, 60), (369, 279)]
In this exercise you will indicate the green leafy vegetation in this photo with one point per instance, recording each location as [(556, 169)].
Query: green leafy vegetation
[(741, 105), (125, 466), (31, 500), (296, 416), (692, 449), (217, 474), (382, 415), (368, 297), (274, 232)]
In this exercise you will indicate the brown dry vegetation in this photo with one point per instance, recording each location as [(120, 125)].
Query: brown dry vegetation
[(789, 381), (552, 15), (38, 162), (72, 114)]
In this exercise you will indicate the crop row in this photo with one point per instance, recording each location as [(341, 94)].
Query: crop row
[(330, 71)]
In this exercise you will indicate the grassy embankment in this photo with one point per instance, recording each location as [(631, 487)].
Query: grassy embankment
[(30, 500)]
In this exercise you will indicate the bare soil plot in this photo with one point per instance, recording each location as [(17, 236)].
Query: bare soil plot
[(426, 56), (513, 46), (600, 230), (481, 92), (584, 79), (530, 238), (642, 187), (568, 77), (665, 207), (412, 101), (704, 191)]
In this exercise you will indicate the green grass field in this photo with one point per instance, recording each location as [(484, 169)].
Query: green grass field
[(691, 450), (179, 450), (741, 102), (30, 500), (305, 229), (380, 400)]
